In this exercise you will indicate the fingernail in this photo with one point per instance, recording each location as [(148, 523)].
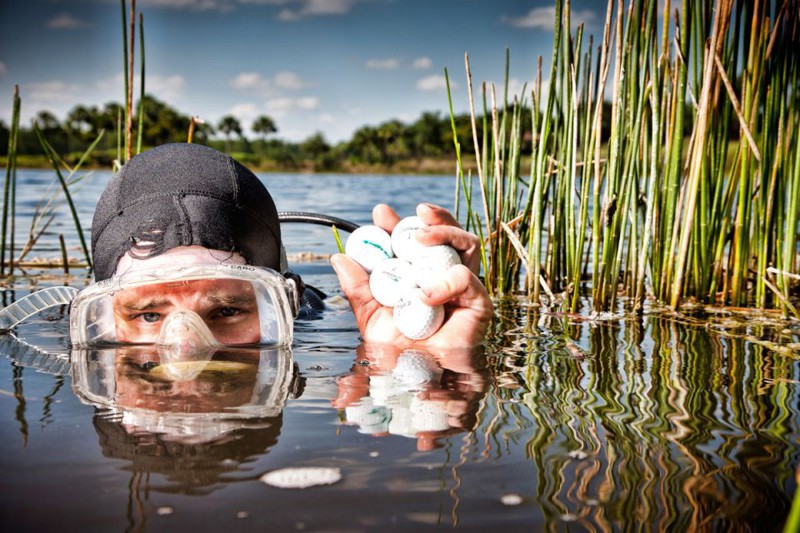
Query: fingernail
[(426, 287), (334, 260)]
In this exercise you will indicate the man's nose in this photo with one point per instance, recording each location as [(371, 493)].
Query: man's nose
[(184, 332)]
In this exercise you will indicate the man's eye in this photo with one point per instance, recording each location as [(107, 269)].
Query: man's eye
[(228, 311), (149, 317)]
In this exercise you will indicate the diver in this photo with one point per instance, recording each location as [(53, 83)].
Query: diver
[(187, 251)]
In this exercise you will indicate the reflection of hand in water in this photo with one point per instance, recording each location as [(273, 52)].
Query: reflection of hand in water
[(468, 308), (415, 393)]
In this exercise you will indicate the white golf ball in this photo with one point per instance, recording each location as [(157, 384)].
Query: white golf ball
[(368, 246), (415, 319), (431, 262), (404, 241), (390, 279)]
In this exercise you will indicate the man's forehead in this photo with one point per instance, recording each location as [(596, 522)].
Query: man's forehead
[(181, 256), (208, 288)]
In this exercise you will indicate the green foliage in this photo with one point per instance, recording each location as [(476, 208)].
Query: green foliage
[(685, 186)]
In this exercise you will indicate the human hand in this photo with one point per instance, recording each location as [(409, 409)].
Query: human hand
[(468, 308)]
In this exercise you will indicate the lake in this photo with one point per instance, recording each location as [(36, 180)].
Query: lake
[(559, 422)]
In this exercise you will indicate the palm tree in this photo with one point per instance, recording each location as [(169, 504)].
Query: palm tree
[(264, 126), (229, 125)]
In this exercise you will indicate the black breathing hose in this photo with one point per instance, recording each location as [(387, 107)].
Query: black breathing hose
[(316, 218)]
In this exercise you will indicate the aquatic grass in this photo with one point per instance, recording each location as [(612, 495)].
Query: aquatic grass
[(140, 128), (694, 193), (127, 75), (11, 172), (56, 161)]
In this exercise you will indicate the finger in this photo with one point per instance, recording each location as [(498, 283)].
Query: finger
[(385, 217), (434, 215), (355, 285), (460, 287), (465, 243)]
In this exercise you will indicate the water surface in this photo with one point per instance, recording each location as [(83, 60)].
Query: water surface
[(559, 423)]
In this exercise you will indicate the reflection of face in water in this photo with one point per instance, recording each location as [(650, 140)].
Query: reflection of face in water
[(193, 420), (228, 307), (199, 386)]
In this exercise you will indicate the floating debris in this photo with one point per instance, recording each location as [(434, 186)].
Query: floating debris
[(302, 477), (165, 511), (578, 454), (511, 499)]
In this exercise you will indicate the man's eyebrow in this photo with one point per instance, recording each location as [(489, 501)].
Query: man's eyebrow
[(229, 299), (141, 305)]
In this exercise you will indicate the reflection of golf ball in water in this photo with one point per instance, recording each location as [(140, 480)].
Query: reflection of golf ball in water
[(415, 319), (389, 280), (431, 263), (368, 246), (404, 241), (414, 369)]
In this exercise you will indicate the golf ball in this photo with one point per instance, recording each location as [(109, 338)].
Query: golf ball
[(431, 263), (415, 319), (404, 240), (390, 279), (368, 246)]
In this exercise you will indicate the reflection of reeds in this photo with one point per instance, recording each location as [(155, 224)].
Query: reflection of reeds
[(651, 210), (652, 422)]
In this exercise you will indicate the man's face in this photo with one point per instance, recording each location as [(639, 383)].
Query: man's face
[(228, 308)]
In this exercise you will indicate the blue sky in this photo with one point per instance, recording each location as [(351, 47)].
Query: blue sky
[(327, 66)]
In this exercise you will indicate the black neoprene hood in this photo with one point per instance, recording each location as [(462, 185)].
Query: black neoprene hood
[(184, 195)]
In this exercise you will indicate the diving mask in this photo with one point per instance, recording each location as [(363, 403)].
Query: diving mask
[(217, 305)]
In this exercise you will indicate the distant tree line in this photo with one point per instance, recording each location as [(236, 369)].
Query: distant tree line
[(390, 143)]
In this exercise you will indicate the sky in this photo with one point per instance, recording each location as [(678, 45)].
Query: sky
[(328, 66)]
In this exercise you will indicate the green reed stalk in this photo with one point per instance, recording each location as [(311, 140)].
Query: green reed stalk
[(128, 81), (540, 163), (11, 173), (56, 162), (140, 129)]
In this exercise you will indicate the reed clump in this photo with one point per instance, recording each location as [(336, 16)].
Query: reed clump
[(695, 193)]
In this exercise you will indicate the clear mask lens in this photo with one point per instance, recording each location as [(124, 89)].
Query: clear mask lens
[(187, 308)]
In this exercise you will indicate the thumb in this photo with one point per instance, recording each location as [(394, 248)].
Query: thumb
[(353, 279)]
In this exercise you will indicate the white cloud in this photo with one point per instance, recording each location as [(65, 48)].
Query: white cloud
[(288, 80), (250, 81), (255, 83), (245, 112), (193, 5), (390, 63), (435, 83), (169, 88), (316, 8), (326, 118), (65, 21), (53, 90), (422, 63), (515, 87), (307, 102), (3, 69), (281, 107), (166, 88), (543, 18)]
